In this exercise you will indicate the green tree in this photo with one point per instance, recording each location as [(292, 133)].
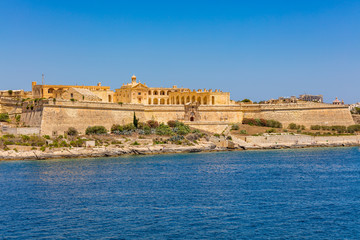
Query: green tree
[(135, 121)]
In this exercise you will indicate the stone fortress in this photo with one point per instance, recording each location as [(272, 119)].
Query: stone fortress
[(55, 108)]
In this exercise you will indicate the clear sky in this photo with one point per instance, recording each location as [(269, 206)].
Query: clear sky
[(254, 49)]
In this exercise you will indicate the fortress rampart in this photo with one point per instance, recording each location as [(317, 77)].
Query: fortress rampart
[(55, 117), (306, 114)]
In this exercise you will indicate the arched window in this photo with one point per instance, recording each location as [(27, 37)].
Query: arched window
[(162, 93), (188, 99), (149, 101), (205, 101), (177, 100), (213, 100), (155, 101), (162, 101), (182, 100), (149, 92), (168, 101), (51, 90), (199, 100), (168, 93), (155, 92), (193, 99)]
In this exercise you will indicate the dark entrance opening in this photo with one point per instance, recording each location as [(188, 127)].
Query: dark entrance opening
[(191, 119)]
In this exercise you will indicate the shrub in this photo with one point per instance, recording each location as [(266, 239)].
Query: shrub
[(262, 122), (235, 127), (152, 123), (315, 127), (129, 127), (135, 143), (353, 128), (4, 117), (72, 132), (77, 143), (338, 129), (116, 128), (273, 124), (10, 92), (249, 121), (176, 138), (293, 126), (164, 130), (181, 128), (97, 130), (120, 103), (171, 123), (46, 137), (147, 130), (243, 132), (246, 100), (25, 138), (272, 130), (18, 118), (141, 125)]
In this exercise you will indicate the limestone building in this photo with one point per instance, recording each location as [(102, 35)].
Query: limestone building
[(139, 93), (62, 91)]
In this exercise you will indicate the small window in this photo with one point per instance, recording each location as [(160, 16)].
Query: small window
[(72, 95), (139, 93)]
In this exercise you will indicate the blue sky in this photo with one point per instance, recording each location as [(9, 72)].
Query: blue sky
[(254, 49)]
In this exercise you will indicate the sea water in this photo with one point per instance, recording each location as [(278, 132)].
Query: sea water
[(276, 194)]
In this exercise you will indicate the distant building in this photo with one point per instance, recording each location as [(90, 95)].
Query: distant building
[(337, 102), (311, 98)]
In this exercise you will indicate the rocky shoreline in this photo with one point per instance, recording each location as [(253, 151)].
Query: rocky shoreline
[(96, 152)]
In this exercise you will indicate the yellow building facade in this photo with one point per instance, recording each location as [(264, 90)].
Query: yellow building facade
[(60, 91), (139, 93)]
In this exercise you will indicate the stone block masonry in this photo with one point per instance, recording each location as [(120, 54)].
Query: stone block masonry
[(56, 117)]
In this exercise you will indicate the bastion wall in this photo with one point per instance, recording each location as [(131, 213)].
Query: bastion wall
[(54, 118), (306, 114)]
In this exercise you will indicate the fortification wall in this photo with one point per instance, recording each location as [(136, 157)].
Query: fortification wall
[(56, 117), (303, 114)]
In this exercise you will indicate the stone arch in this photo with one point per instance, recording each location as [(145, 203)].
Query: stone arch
[(51, 90), (155, 92), (168, 101), (182, 100), (205, 101), (149, 92), (177, 100), (193, 99), (155, 101), (162, 101), (168, 93), (162, 92), (110, 98), (149, 101), (188, 99), (213, 100), (199, 100)]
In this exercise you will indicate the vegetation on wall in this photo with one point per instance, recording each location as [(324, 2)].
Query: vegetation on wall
[(96, 130), (262, 122), (4, 117)]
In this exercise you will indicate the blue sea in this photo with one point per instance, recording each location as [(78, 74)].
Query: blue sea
[(274, 194)]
